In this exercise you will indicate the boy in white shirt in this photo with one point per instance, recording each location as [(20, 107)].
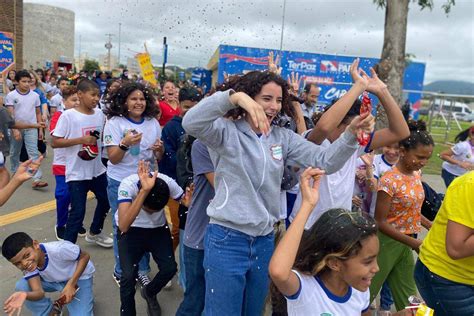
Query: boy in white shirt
[(142, 228), (57, 100), (79, 130), (58, 266), (24, 106)]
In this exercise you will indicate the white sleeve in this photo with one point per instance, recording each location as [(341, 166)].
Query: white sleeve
[(9, 100), (62, 127), (37, 101), (127, 190), (459, 149), (68, 251), (112, 133)]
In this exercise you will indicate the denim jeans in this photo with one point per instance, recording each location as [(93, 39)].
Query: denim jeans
[(30, 137), (236, 270), (63, 200), (386, 299), (448, 177), (132, 246), (193, 300), (182, 268), (83, 306), (78, 191), (112, 193), (444, 296)]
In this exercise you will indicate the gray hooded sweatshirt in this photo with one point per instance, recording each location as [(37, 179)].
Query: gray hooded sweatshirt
[(249, 168)]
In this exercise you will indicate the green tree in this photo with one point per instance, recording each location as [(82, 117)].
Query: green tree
[(90, 66), (393, 60)]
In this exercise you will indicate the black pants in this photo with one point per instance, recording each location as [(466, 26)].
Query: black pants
[(132, 246)]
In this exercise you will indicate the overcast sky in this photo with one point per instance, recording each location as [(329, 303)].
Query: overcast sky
[(195, 28)]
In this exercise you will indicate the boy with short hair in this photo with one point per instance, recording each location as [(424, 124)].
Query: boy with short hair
[(142, 228), (58, 266), (24, 105), (79, 130), (56, 102)]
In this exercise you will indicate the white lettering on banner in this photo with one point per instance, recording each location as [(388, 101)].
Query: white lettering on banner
[(344, 67), (303, 66), (334, 93)]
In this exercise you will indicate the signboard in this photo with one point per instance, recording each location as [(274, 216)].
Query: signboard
[(7, 52), (146, 68), (330, 72)]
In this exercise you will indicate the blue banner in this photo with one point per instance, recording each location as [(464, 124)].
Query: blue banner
[(330, 72), (7, 53)]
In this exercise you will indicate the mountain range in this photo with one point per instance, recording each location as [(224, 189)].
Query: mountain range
[(451, 87)]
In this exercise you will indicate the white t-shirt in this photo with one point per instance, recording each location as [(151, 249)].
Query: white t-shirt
[(57, 102), (380, 167), (314, 299), (74, 124), (115, 129), (61, 262), (128, 190), (335, 190), (463, 151), (24, 105)]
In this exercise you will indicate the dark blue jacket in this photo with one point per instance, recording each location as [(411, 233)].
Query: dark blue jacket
[(172, 137)]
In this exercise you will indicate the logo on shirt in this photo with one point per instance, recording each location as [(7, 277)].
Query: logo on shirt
[(108, 139), (277, 152), (123, 193), (16, 101)]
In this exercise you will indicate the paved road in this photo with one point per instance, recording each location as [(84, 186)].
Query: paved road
[(41, 227)]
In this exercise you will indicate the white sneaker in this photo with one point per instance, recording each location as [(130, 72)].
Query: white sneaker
[(100, 239), (168, 285)]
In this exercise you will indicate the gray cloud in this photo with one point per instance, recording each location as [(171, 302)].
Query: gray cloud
[(194, 30)]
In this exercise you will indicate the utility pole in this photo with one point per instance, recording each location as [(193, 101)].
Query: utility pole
[(80, 63), (120, 33), (282, 25), (109, 46)]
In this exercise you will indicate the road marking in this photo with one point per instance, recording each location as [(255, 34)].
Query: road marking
[(32, 211)]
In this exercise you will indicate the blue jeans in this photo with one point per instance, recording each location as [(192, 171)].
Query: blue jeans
[(386, 299), (182, 271), (444, 296), (30, 137), (78, 191), (448, 177), (236, 270), (63, 199), (83, 306), (112, 193), (193, 300), (290, 202)]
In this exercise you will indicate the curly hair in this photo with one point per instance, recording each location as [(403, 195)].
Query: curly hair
[(118, 101), (251, 84), (336, 234), (418, 135)]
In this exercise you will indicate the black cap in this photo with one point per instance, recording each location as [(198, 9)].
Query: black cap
[(189, 93)]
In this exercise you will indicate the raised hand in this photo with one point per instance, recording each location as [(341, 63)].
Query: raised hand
[(358, 75), (363, 123), (375, 85), (146, 180), (294, 82), (255, 110), (273, 63), (14, 303), (368, 159), (310, 191)]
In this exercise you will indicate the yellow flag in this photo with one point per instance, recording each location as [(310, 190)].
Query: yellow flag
[(146, 67)]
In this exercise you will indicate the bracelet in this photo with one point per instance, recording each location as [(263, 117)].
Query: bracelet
[(123, 146)]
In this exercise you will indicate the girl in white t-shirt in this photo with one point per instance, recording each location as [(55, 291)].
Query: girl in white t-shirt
[(460, 158), (329, 273), (131, 134)]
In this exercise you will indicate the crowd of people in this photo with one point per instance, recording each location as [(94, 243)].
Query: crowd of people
[(268, 194)]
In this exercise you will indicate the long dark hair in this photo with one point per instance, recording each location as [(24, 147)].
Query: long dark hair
[(336, 234), (118, 99), (252, 83), (463, 135)]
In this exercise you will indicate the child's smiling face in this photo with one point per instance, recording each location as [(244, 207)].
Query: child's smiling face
[(27, 258)]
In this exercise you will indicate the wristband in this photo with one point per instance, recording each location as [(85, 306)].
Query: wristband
[(123, 146)]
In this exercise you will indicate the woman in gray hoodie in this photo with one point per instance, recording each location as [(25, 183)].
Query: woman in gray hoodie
[(249, 155)]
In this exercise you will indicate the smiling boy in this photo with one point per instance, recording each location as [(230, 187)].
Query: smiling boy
[(59, 266)]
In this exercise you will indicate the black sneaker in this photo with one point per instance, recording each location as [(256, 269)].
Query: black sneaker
[(60, 232), (153, 307), (82, 232)]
